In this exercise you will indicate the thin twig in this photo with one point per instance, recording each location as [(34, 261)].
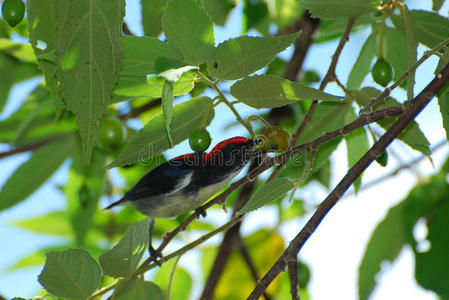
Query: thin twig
[(30, 147), (412, 110), (329, 77), (135, 112), (293, 276)]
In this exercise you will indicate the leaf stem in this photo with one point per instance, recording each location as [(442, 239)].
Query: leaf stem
[(223, 99)]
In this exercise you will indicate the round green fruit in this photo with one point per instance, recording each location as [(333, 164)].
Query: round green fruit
[(382, 72), (199, 140), (275, 139), (311, 77), (111, 134), (13, 11), (303, 274)]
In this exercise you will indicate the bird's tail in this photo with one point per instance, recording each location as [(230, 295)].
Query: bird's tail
[(118, 202)]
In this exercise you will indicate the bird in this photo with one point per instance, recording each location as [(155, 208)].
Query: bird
[(185, 182)]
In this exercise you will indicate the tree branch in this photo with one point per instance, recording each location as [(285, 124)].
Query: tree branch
[(293, 276), (29, 147), (308, 25), (411, 111)]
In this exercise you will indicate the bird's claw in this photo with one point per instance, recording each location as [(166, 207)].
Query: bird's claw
[(154, 255), (200, 212)]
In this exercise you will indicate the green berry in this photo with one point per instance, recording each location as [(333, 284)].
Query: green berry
[(382, 72), (311, 77), (111, 134), (13, 11), (275, 139), (303, 274), (199, 140)]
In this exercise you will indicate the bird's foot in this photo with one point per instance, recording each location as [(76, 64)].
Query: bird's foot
[(200, 212), (155, 255)]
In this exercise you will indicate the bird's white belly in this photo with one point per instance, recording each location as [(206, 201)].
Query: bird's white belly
[(178, 203)]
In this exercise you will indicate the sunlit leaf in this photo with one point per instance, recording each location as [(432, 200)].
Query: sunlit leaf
[(188, 27), (239, 57), (88, 60), (140, 54), (412, 45), (262, 91), (182, 281), (329, 9), (362, 65)]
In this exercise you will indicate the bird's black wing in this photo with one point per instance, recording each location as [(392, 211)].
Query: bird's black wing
[(161, 180)]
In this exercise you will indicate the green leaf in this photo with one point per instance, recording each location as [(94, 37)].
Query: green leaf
[(262, 91), (357, 145), (188, 27), (140, 86), (55, 222), (88, 60), (34, 172), (42, 19), (152, 139), (268, 192), (29, 121), (432, 265), (443, 102), (412, 135), (18, 50), (256, 15), (141, 53), (330, 9), (336, 114), (363, 64), (219, 10), (264, 247), (138, 289), (239, 57), (167, 108), (385, 244), (122, 259), (70, 274), (431, 27), (437, 4), (412, 45), (298, 164), (395, 50), (152, 11), (87, 179), (182, 281)]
